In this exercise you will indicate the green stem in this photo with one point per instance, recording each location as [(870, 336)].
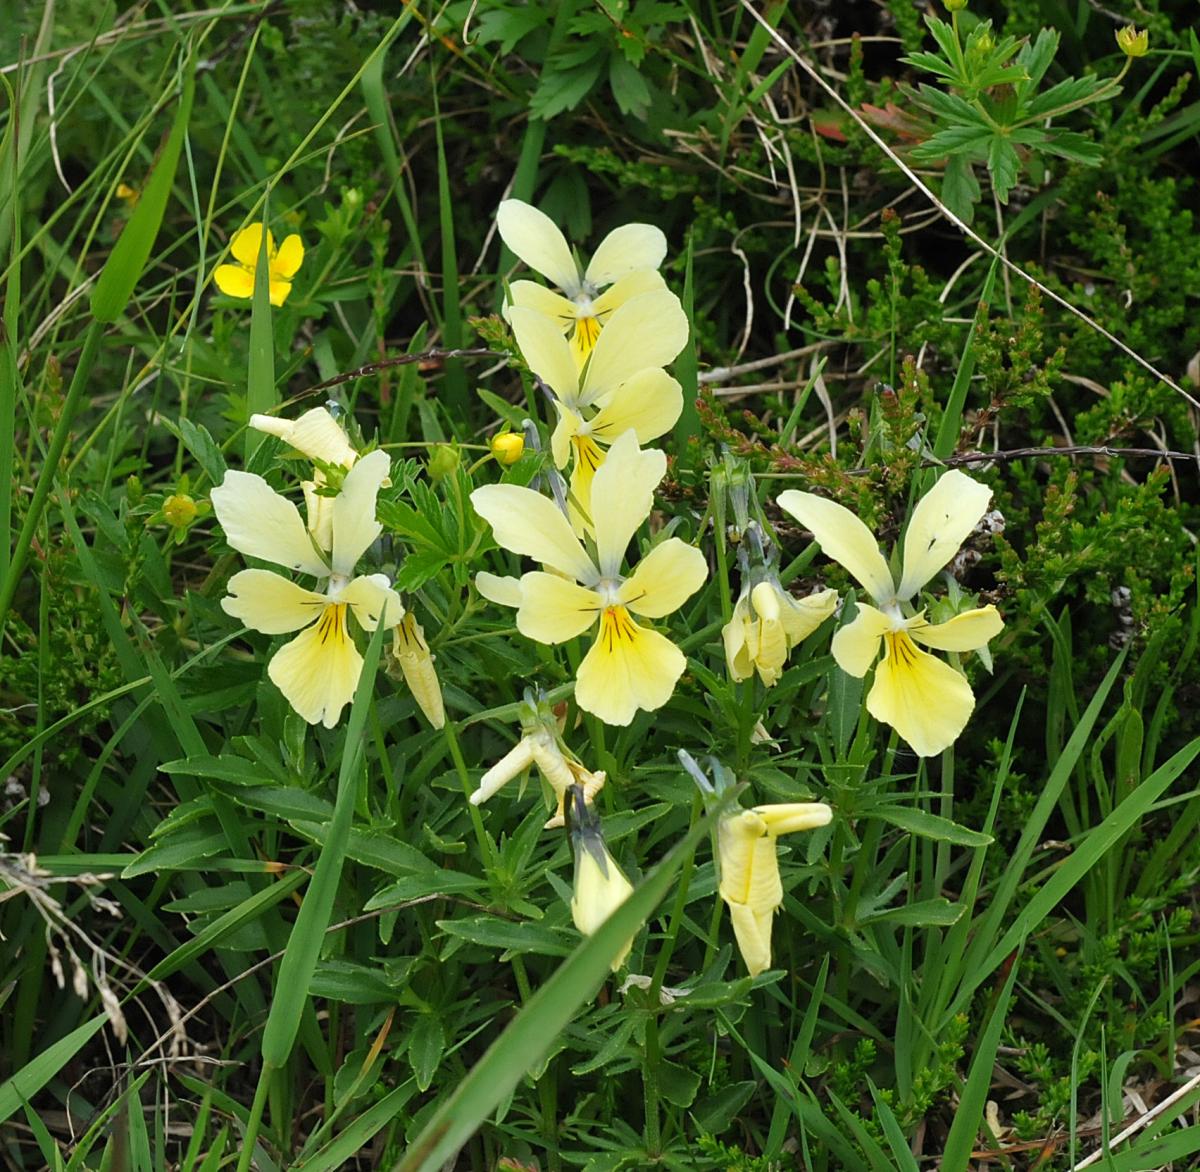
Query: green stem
[(254, 1122), (485, 843), (45, 482), (650, 1087)]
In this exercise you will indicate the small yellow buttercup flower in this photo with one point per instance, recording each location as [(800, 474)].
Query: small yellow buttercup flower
[(629, 667), (412, 654), (508, 446), (925, 700), (1132, 42), (749, 870), (767, 624), (600, 884), (237, 280), (318, 670), (626, 263), (179, 511)]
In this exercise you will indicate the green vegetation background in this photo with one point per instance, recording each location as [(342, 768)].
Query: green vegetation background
[(1007, 934)]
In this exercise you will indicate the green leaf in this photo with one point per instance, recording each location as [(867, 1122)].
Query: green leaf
[(677, 1083), (930, 826), (960, 188), (40, 1070), (125, 263), (426, 1045), (510, 26), (629, 88), (1004, 164), (937, 912), (223, 768), (514, 937), (308, 933), (563, 86)]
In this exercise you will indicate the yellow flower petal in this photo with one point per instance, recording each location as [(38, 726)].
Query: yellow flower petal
[(234, 281), (554, 609), (844, 538), (752, 930), (631, 285), (648, 404), (940, 523), (246, 245), (316, 434), (740, 638), (289, 258), (588, 457), (569, 423), (318, 670), (925, 700), (788, 817), (622, 498), (506, 591), (515, 761), (320, 514), (260, 523), (628, 667), (856, 645), (268, 603), (354, 524), (738, 836), (277, 291), (626, 250), (546, 352), (965, 632), (664, 580), (528, 523), (772, 651), (802, 616), (531, 295), (536, 240), (647, 331), (371, 598)]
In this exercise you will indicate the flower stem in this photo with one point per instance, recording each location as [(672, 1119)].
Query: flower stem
[(254, 1122)]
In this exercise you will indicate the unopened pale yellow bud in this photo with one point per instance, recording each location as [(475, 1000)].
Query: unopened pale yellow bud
[(599, 891), (179, 511), (1132, 42), (416, 662), (508, 447)]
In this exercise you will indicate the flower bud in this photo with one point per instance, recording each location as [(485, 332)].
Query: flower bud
[(1133, 43), (955, 5), (412, 653), (443, 461), (600, 885), (508, 447)]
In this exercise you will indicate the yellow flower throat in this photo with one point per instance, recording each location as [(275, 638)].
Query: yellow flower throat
[(616, 627), (332, 624), (587, 330)]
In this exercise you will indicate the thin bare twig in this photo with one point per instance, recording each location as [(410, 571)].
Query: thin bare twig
[(401, 360)]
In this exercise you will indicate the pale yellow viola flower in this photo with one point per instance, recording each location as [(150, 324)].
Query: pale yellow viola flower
[(411, 653), (600, 884), (318, 670), (625, 264), (541, 745), (317, 435), (749, 870), (237, 279), (623, 388), (767, 624), (629, 667), (925, 700)]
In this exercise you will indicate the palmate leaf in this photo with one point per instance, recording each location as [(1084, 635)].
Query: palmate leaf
[(566, 82)]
